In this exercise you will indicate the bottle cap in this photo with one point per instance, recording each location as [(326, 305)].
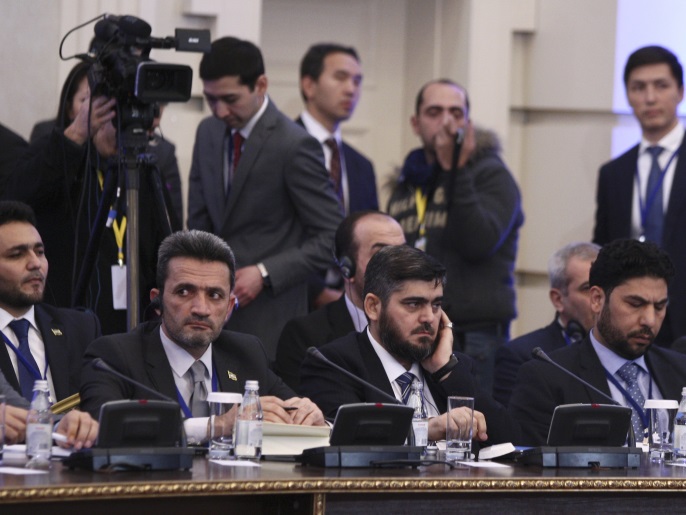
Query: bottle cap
[(40, 384), (683, 391), (252, 385)]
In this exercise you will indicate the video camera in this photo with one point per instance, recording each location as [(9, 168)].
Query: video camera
[(123, 70)]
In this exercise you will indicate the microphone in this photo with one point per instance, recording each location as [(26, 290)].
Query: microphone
[(99, 364), (540, 354), (459, 138), (314, 352)]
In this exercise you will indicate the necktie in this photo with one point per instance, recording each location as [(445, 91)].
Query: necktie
[(199, 406), (236, 150), (335, 166), (654, 218), (629, 373), (405, 381), (26, 376)]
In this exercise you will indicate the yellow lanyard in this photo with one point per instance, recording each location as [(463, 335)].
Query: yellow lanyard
[(421, 200), (119, 229)]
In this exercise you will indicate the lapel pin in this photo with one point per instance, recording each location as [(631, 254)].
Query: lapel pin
[(232, 376), (56, 332)]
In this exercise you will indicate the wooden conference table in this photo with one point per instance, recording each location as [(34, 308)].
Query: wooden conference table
[(289, 488)]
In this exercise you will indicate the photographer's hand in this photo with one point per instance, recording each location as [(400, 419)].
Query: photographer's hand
[(102, 113)]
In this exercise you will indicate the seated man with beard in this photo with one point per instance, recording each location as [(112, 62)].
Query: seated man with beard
[(629, 300), (407, 332)]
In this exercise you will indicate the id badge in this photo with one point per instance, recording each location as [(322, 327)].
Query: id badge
[(420, 243), (119, 286)]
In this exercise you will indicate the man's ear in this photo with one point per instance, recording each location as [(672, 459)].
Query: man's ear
[(598, 299), (556, 299), (232, 305), (372, 306)]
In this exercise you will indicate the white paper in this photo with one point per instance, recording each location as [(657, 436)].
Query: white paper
[(236, 463), (484, 464), (16, 471)]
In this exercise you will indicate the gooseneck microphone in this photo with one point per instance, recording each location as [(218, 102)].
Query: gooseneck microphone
[(99, 364), (540, 354), (314, 352)]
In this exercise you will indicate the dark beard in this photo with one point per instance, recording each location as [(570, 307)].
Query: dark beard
[(19, 299), (394, 343), (615, 340)]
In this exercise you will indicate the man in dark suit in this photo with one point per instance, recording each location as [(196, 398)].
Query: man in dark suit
[(570, 295), (358, 238), (56, 337), (640, 195), (270, 197), (188, 354), (11, 148), (408, 332), (629, 298)]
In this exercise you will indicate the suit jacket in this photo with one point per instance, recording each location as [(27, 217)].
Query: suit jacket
[(12, 396), (613, 220), (330, 389), (512, 355), (541, 387), (361, 179), (281, 211), (314, 330), (140, 356), (66, 334), (12, 147)]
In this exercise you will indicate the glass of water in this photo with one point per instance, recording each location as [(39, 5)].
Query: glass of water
[(458, 432)]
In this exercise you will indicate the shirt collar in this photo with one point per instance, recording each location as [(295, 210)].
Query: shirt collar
[(6, 318), (247, 129), (612, 361), (391, 365), (358, 316), (670, 142), (179, 359), (317, 130)]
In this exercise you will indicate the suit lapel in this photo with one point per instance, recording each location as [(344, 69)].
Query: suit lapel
[(55, 340), (667, 380), (376, 372), (592, 371), (251, 150), (623, 188), (157, 365), (339, 319), (676, 198), (228, 379)]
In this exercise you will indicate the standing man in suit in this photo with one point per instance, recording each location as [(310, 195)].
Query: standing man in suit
[(258, 181), (629, 298), (330, 85), (409, 338), (187, 354), (640, 194), (39, 340), (358, 238), (570, 295)]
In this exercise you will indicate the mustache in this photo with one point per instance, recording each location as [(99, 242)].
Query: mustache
[(645, 332), (424, 328), (35, 275)]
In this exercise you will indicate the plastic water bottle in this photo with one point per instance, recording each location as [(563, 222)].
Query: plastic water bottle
[(39, 423), (420, 425), (248, 431), (680, 429)]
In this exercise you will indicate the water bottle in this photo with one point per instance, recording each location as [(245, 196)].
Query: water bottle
[(680, 428), (39, 423), (248, 431), (420, 425)]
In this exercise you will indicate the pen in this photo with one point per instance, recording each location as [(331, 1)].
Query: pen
[(59, 437), (290, 408)]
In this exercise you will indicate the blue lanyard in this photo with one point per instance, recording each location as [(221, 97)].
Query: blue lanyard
[(28, 366), (184, 407), (646, 202), (639, 409)]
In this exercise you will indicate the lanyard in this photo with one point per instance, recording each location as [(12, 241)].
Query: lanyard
[(646, 201), (184, 407), (639, 409), (118, 228), (421, 200), (28, 366)]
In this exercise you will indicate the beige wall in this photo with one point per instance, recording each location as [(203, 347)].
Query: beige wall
[(539, 72)]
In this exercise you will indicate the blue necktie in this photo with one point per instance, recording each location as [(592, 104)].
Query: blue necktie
[(629, 374), (654, 218), (26, 377), (405, 381)]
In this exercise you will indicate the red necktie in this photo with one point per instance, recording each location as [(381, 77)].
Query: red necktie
[(335, 166), (238, 140)]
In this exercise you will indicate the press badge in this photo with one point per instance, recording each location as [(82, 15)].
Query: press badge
[(119, 286)]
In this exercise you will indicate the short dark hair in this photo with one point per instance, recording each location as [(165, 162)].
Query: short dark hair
[(420, 96), (625, 259), (654, 55), (344, 242), (233, 57), (14, 211), (312, 63), (69, 90), (391, 266), (200, 245)]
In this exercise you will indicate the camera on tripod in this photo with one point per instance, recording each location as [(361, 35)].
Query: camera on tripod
[(122, 69)]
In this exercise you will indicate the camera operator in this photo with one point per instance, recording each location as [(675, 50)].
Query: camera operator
[(62, 177)]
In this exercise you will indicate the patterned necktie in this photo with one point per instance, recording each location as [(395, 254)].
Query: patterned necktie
[(26, 377), (654, 218), (199, 406), (629, 373), (405, 381), (335, 166)]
